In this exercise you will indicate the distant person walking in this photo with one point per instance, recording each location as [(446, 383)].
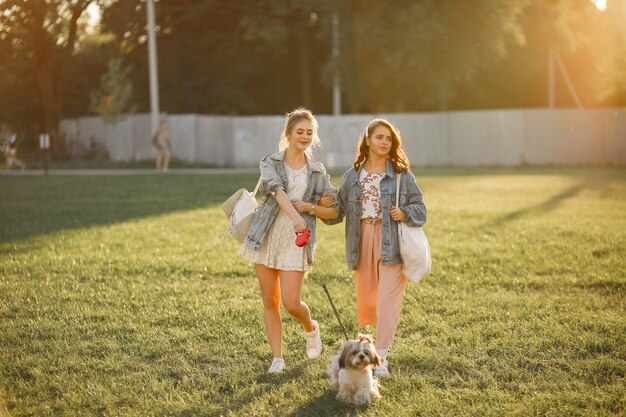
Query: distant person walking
[(10, 152), (367, 197), (292, 183), (161, 144)]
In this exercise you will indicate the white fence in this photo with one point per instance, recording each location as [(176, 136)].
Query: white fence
[(468, 138)]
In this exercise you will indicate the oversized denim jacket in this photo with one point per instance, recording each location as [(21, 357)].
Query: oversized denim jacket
[(350, 208), (273, 179)]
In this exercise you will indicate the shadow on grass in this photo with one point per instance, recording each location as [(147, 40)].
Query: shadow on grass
[(291, 373), (33, 206), (607, 287), (266, 383), (547, 205), (323, 405), (326, 405), (599, 179)]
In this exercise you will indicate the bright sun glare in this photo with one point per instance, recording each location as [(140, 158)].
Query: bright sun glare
[(93, 14), (600, 4)]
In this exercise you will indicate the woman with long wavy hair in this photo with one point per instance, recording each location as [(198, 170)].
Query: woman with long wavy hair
[(367, 197)]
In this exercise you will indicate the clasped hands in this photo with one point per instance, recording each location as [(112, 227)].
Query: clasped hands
[(396, 213), (299, 224)]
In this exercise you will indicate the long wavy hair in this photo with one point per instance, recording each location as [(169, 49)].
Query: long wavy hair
[(396, 155), (291, 119)]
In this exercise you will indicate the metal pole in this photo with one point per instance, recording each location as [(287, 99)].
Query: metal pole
[(153, 70), (570, 85), (336, 80), (550, 79), (44, 143)]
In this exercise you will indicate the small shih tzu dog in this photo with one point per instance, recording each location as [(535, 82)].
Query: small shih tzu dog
[(351, 371)]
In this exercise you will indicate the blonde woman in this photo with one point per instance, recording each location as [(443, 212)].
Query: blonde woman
[(292, 183), (162, 147)]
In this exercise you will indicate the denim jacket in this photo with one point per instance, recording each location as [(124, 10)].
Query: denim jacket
[(350, 208), (273, 179)]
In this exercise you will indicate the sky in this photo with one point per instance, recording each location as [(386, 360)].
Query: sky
[(600, 4), (93, 13)]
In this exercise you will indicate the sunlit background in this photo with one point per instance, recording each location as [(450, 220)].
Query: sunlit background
[(63, 59)]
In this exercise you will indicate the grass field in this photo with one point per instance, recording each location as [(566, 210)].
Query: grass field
[(117, 299)]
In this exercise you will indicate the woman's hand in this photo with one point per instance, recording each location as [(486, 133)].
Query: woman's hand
[(299, 225), (301, 206), (397, 214), (325, 201)]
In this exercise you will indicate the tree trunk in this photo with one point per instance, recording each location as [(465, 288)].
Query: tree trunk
[(52, 73), (50, 100)]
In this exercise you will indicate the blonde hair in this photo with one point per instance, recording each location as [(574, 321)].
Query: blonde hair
[(291, 119), (396, 156)]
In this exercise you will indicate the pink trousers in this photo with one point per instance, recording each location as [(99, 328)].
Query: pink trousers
[(379, 288)]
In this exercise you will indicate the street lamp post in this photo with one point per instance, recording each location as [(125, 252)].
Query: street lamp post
[(336, 80), (153, 70)]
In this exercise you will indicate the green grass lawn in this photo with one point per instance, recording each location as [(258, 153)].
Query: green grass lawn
[(118, 299)]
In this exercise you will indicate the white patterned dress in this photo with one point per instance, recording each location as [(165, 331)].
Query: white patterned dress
[(279, 250)]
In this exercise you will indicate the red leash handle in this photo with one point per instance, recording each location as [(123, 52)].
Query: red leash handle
[(302, 238)]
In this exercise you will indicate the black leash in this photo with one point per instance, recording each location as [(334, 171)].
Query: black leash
[(335, 310)]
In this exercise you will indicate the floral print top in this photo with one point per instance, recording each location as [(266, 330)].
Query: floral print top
[(370, 194)]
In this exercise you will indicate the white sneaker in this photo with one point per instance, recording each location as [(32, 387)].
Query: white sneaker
[(381, 371), (278, 365), (313, 342)]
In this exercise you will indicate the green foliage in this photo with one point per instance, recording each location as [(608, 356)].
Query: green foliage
[(90, 63), (37, 42), (118, 298), (115, 95), (241, 57), (425, 53)]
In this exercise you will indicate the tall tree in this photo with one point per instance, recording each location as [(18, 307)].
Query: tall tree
[(115, 94), (266, 57), (590, 44), (227, 57), (416, 55), (45, 33)]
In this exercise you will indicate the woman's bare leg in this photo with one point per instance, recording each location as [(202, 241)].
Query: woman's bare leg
[(291, 289), (270, 293)]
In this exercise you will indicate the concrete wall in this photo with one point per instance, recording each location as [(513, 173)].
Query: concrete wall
[(468, 138)]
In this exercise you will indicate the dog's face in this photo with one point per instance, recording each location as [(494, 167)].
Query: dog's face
[(359, 353)]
